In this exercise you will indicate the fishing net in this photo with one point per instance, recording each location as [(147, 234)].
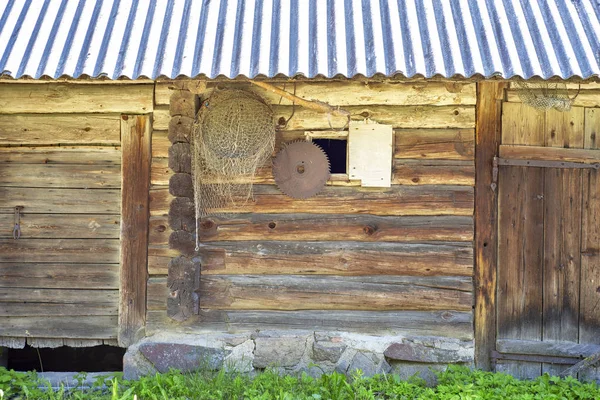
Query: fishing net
[(545, 96), (233, 136)]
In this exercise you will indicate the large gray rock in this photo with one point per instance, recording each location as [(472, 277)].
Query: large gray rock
[(183, 357), (328, 351), (282, 351), (241, 358), (368, 363), (135, 365), (419, 352)]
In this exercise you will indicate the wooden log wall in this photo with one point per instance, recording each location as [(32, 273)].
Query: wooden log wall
[(60, 158), (350, 258)]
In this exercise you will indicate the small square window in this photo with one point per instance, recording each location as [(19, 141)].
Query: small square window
[(337, 151)]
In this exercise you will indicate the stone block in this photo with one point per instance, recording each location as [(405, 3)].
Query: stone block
[(241, 358), (183, 357), (420, 352), (328, 351), (367, 362), (283, 351)]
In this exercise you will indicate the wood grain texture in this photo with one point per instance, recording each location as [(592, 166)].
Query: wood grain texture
[(59, 276), (397, 200), (62, 201), (424, 323), (58, 296), (160, 172), (398, 116), (63, 129), (27, 309), (60, 226), (88, 251), (183, 102), (161, 118), (448, 144), (487, 136), (337, 258), (314, 227), (68, 98), (61, 176), (160, 144), (271, 292), (49, 155), (548, 348), (183, 284), (159, 257), (550, 154), (84, 327), (136, 142)]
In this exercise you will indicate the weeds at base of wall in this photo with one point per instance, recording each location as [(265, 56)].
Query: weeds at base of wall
[(455, 383)]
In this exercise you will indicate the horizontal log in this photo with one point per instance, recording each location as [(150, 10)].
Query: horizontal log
[(62, 201), (59, 276), (85, 327), (398, 116), (57, 309), (63, 129), (91, 155), (546, 348), (161, 118), (68, 98), (303, 227), (337, 258), (586, 97), (88, 251), (160, 173), (396, 200), (61, 226), (158, 259), (374, 93), (71, 176), (549, 154), (406, 323), (449, 144), (54, 343), (159, 231), (160, 144), (272, 292), (59, 296)]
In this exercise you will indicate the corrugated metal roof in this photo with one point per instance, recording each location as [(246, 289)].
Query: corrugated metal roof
[(170, 38)]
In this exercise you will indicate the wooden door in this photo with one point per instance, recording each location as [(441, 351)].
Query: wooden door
[(548, 293)]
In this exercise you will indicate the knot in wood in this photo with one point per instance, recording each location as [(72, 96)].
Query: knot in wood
[(272, 225), (207, 224), (369, 230)]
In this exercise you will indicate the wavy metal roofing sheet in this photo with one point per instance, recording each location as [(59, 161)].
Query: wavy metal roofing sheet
[(170, 38)]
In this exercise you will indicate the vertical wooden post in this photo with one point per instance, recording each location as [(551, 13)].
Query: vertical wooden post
[(135, 185), (487, 137)]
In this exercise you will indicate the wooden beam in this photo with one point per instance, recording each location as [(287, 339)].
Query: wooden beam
[(540, 153), (487, 133), (136, 149)]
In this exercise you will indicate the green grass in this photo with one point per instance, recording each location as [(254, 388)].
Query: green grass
[(457, 383)]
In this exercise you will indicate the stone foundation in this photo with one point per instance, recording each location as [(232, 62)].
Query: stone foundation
[(296, 351)]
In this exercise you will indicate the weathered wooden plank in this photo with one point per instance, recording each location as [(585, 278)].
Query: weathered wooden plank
[(159, 258), (521, 125), (85, 327), (373, 93), (520, 260), (136, 140), (337, 258), (91, 155), (549, 154), (409, 116), (316, 227), (88, 251), (69, 98), (159, 231), (160, 144), (62, 201), (487, 135), (59, 276), (452, 144), (589, 311), (433, 172), (183, 102), (396, 200), (61, 176), (182, 287), (27, 309), (60, 226), (67, 129), (12, 342), (161, 118), (407, 323), (547, 348), (272, 292), (565, 129), (160, 171), (59, 296)]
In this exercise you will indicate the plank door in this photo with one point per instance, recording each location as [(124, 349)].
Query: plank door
[(548, 293)]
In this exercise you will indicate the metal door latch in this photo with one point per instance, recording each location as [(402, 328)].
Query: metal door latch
[(17, 228)]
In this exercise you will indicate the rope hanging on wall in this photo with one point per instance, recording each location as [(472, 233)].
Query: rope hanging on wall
[(233, 136), (545, 96)]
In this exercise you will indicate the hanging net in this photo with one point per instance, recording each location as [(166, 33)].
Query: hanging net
[(545, 96), (233, 136)]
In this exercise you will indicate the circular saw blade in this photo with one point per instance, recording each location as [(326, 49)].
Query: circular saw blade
[(301, 169)]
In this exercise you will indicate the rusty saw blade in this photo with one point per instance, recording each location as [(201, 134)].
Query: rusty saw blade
[(301, 169)]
